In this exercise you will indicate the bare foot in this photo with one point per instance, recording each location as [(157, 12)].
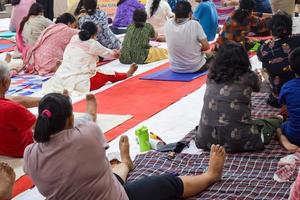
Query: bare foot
[(216, 162), (66, 93), (7, 180), (132, 69), (125, 153), (283, 140), (91, 106), (8, 58)]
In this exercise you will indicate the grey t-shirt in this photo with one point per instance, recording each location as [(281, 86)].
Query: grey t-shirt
[(183, 41), (73, 165)]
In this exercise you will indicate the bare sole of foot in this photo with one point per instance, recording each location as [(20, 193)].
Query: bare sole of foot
[(132, 69), (283, 140), (125, 152), (91, 106), (216, 162), (7, 180)]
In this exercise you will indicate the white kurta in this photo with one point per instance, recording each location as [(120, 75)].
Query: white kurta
[(78, 66)]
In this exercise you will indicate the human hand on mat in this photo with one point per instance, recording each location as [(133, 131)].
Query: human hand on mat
[(116, 53)]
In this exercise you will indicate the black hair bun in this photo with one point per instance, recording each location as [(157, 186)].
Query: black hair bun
[(84, 35)]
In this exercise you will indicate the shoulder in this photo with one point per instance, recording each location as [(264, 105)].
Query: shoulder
[(12, 106), (148, 26)]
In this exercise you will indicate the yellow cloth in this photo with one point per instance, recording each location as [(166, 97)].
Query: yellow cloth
[(156, 54)]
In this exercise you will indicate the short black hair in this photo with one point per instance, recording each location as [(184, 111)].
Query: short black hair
[(54, 110), (139, 18), (90, 6), (230, 64), (281, 25), (183, 9), (294, 59)]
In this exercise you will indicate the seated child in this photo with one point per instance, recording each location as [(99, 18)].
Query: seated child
[(289, 133), (243, 22), (7, 181), (78, 73), (55, 172), (186, 41), (136, 47), (226, 115), (206, 14), (274, 54), (123, 17), (16, 121)]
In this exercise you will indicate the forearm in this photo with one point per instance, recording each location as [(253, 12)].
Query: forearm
[(27, 102)]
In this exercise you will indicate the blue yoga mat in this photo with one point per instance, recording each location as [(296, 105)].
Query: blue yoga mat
[(168, 75), (7, 34), (6, 46)]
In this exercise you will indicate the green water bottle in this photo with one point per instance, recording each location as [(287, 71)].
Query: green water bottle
[(143, 137)]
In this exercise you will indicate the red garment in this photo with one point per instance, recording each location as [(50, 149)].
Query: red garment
[(101, 79), (15, 128)]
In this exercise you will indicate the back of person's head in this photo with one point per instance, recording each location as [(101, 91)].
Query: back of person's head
[(15, 2), (294, 60), (139, 18), (230, 64), (120, 2), (4, 76), (66, 19), (244, 11), (90, 7), (7, 180), (183, 9), (88, 30), (54, 112), (35, 10), (154, 7), (281, 25)]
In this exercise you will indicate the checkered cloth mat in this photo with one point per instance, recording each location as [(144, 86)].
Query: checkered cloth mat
[(26, 85), (246, 175)]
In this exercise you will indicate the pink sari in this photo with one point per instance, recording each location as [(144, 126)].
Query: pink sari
[(48, 51)]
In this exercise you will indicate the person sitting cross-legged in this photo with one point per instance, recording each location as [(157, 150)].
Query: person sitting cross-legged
[(186, 41)]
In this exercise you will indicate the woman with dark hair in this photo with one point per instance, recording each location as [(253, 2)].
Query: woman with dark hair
[(135, 47), (243, 22), (20, 9), (226, 115), (47, 53), (69, 162), (78, 71), (123, 17), (158, 12), (87, 11), (33, 24), (274, 54)]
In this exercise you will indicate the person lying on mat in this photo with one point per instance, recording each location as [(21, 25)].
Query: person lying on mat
[(16, 121), (186, 41), (7, 181), (289, 133), (206, 14), (87, 11), (47, 53), (158, 12), (124, 13), (226, 115), (274, 54), (241, 24), (136, 47), (32, 25), (59, 163), (78, 73)]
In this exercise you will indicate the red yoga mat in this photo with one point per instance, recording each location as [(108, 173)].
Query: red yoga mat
[(140, 98), (11, 45), (21, 185)]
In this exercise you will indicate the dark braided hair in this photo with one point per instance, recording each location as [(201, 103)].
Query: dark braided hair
[(230, 64), (54, 110), (34, 10), (154, 7)]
